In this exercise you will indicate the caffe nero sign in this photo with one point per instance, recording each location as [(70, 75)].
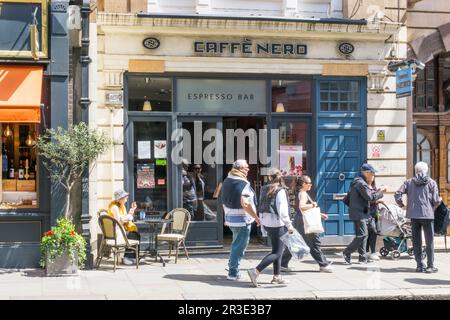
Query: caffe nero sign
[(249, 48), (245, 48)]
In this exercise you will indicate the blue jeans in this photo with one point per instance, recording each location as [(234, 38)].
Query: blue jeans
[(241, 237)]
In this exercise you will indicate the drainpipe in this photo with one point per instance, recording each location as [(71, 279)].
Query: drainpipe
[(85, 60), (111, 131)]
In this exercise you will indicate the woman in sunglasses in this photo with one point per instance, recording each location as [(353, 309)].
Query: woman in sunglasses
[(305, 202)]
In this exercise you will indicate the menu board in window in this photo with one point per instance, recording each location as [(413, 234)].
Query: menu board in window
[(145, 176)]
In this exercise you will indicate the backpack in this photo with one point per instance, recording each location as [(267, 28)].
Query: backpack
[(441, 219), (269, 204)]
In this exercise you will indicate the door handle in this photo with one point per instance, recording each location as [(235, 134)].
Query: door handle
[(339, 196), (341, 177)]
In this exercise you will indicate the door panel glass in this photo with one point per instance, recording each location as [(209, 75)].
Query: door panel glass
[(150, 167), (339, 95), (199, 180)]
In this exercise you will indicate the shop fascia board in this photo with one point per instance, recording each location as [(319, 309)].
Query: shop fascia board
[(287, 34), (235, 65)]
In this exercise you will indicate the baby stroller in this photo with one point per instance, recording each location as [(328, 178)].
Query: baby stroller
[(397, 232)]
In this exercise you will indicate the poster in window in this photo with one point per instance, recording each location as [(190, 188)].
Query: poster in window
[(160, 149), (291, 160), (144, 150), (145, 176)]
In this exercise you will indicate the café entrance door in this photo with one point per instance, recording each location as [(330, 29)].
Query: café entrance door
[(251, 146)]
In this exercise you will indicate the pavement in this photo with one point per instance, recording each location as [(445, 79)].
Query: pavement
[(204, 277)]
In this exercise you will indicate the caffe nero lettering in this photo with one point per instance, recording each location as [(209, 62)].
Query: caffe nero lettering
[(250, 48), (220, 96)]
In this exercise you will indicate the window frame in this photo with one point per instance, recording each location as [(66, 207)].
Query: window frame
[(420, 150), (426, 95), (43, 52)]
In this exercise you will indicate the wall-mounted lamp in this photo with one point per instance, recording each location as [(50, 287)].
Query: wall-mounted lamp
[(147, 105), (8, 132), (280, 107)]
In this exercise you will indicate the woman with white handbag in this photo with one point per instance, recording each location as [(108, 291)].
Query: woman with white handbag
[(308, 222)]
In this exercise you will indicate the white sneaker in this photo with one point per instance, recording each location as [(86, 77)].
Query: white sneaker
[(285, 269), (278, 280), (374, 257), (327, 268), (234, 278), (253, 276)]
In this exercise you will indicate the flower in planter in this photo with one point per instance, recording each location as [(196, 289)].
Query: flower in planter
[(60, 240)]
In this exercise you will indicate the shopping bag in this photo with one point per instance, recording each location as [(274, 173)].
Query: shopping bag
[(312, 221), (295, 244)]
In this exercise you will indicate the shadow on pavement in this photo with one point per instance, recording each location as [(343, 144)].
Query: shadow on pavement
[(219, 280), (430, 282), (40, 273), (7, 271), (374, 267)]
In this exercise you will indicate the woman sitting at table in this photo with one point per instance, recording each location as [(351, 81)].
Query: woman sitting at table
[(117, 210)]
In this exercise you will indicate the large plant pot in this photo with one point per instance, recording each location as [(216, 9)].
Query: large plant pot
[(62, 265)]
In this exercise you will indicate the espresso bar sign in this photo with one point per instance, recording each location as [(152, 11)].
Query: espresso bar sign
[(221, 95), (249, 48)]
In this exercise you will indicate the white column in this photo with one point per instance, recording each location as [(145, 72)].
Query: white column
[(152, 6), (336, 9), (203, 6), (290, 8)]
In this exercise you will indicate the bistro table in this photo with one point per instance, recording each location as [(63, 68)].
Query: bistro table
[(155, 224)]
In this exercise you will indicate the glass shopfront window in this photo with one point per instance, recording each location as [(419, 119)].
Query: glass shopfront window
[(293, 148), (291, 96), (148, 94), (19, 166), (150, 167)]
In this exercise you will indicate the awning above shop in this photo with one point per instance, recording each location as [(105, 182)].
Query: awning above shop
[(20, 93)]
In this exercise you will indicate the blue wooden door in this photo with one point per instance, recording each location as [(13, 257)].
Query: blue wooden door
[(341, 149)]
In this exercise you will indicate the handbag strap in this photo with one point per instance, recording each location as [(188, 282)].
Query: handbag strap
[(309, 198)]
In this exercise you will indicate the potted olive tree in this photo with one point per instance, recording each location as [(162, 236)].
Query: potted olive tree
[(66, 155)]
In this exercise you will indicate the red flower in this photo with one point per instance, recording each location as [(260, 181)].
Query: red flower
[(72, 233), (49, 233)]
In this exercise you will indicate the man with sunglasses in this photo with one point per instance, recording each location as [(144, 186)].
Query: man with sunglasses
[(361, 194)]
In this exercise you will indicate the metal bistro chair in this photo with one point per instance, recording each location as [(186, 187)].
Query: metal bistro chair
[(115, 237), (181, 219)]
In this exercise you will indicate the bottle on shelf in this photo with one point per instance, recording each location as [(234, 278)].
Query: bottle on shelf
[(32, 170), (21, 170), (11, 170), (4, 160)]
